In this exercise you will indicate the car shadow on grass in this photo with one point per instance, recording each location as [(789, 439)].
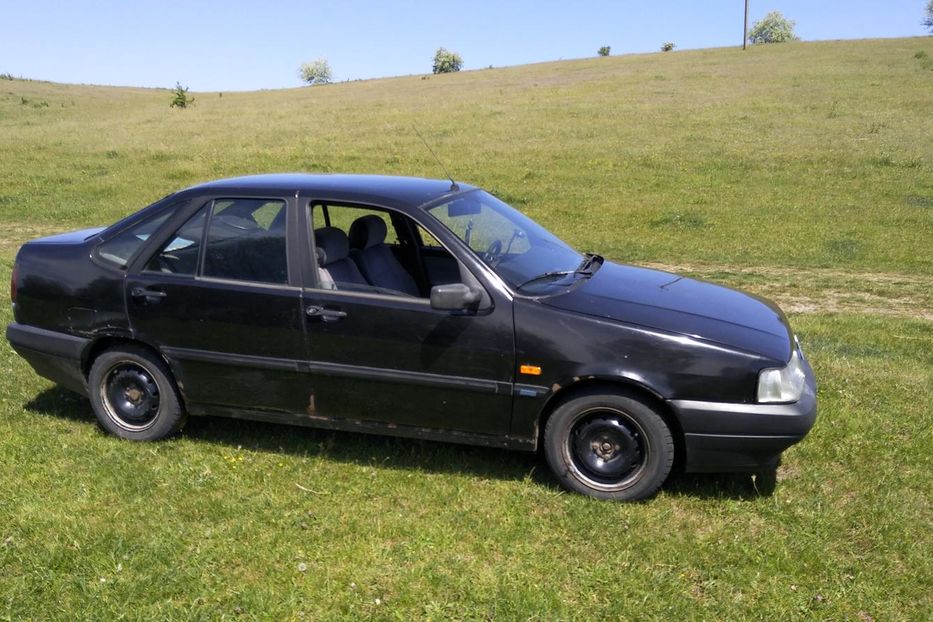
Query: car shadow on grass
[(61, 403), (393, 452)]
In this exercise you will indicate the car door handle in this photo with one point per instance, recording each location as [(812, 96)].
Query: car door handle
[(151, 295), (327, 315)]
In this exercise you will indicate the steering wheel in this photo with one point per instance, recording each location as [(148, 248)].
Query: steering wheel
[(492, 253)]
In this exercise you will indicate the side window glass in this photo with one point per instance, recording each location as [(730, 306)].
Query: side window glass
[(246, 241), (180, 254), (120, 248)]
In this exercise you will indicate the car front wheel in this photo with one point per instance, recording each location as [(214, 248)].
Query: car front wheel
[(609, 445), (133, 394)]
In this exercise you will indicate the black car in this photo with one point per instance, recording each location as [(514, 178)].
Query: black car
[(409, 307)]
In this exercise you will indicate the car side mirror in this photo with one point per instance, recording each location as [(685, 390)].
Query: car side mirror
[(454, 297)]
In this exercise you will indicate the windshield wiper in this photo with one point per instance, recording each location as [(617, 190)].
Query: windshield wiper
[(584, 269)]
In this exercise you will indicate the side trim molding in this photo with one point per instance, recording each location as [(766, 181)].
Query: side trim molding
[(479, 385)]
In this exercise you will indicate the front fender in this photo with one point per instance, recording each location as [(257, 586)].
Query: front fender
[(570, 348)]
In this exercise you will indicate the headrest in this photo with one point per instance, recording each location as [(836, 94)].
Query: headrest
[(367, 231), (333, 242)]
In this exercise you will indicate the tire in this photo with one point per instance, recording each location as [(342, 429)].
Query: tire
[(609, 446), (134, 395)]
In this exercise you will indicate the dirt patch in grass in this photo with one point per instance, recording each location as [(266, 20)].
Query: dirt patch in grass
[(813, 290)]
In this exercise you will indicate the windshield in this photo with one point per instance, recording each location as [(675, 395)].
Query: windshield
[(523, 253)]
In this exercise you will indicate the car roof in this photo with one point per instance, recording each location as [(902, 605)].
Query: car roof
[(383, 189)]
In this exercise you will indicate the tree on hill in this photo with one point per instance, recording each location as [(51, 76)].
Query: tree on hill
[(315, 72), (928, 16), (446, 61), (773, 28), (604, 51), (180, 97)]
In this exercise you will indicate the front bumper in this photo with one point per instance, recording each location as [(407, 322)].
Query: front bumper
[(724, 437), (54, 355)]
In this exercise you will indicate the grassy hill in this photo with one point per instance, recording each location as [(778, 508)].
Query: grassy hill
[(801, 171), (814, 155)]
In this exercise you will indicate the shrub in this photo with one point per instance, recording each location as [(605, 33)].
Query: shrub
[(446, 61), (604, 51), (773, 28), (180, 98), (315, 72), (667, 47), (35, 103)]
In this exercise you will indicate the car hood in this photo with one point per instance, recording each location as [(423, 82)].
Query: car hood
[(72, 237), (665, 301)]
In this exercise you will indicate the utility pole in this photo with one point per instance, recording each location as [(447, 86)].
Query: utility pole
[(745, 30)]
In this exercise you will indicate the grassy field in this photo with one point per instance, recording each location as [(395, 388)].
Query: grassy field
[(800, 171)]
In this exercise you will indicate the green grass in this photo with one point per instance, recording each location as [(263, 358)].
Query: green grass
[(799, 171), (271, 521)]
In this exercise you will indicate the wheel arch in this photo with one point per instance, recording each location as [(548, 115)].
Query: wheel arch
[(102, 344), (622, 386)]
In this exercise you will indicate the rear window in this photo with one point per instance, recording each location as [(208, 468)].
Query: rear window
[(120, 249)]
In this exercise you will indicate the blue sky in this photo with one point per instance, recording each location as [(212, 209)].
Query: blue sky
[(244, 45)]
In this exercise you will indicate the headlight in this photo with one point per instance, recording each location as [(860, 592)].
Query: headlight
[(782, 384)]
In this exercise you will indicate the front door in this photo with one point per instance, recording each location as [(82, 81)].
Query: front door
[(383, 356), (217, 301)]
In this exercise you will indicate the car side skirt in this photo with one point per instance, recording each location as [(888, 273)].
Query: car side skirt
[(372, 427)]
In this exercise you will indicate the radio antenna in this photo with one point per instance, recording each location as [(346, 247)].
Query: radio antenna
[(453, 185)]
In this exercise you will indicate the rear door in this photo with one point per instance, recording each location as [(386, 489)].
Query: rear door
[(221, 299), (392, 359)]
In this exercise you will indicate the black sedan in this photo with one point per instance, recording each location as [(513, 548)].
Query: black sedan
[(409, 307)]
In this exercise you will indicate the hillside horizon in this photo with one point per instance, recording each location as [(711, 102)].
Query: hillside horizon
[(463, 71)]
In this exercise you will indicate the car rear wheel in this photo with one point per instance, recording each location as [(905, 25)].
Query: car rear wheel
[(609, 446), (133, 394)]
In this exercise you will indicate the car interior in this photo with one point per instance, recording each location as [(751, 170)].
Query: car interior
[(362, 249), (358, 249)]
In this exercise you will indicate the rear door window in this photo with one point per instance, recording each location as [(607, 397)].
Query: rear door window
[(246, 241)]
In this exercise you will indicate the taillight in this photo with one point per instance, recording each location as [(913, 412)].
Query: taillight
[(13, 282)]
